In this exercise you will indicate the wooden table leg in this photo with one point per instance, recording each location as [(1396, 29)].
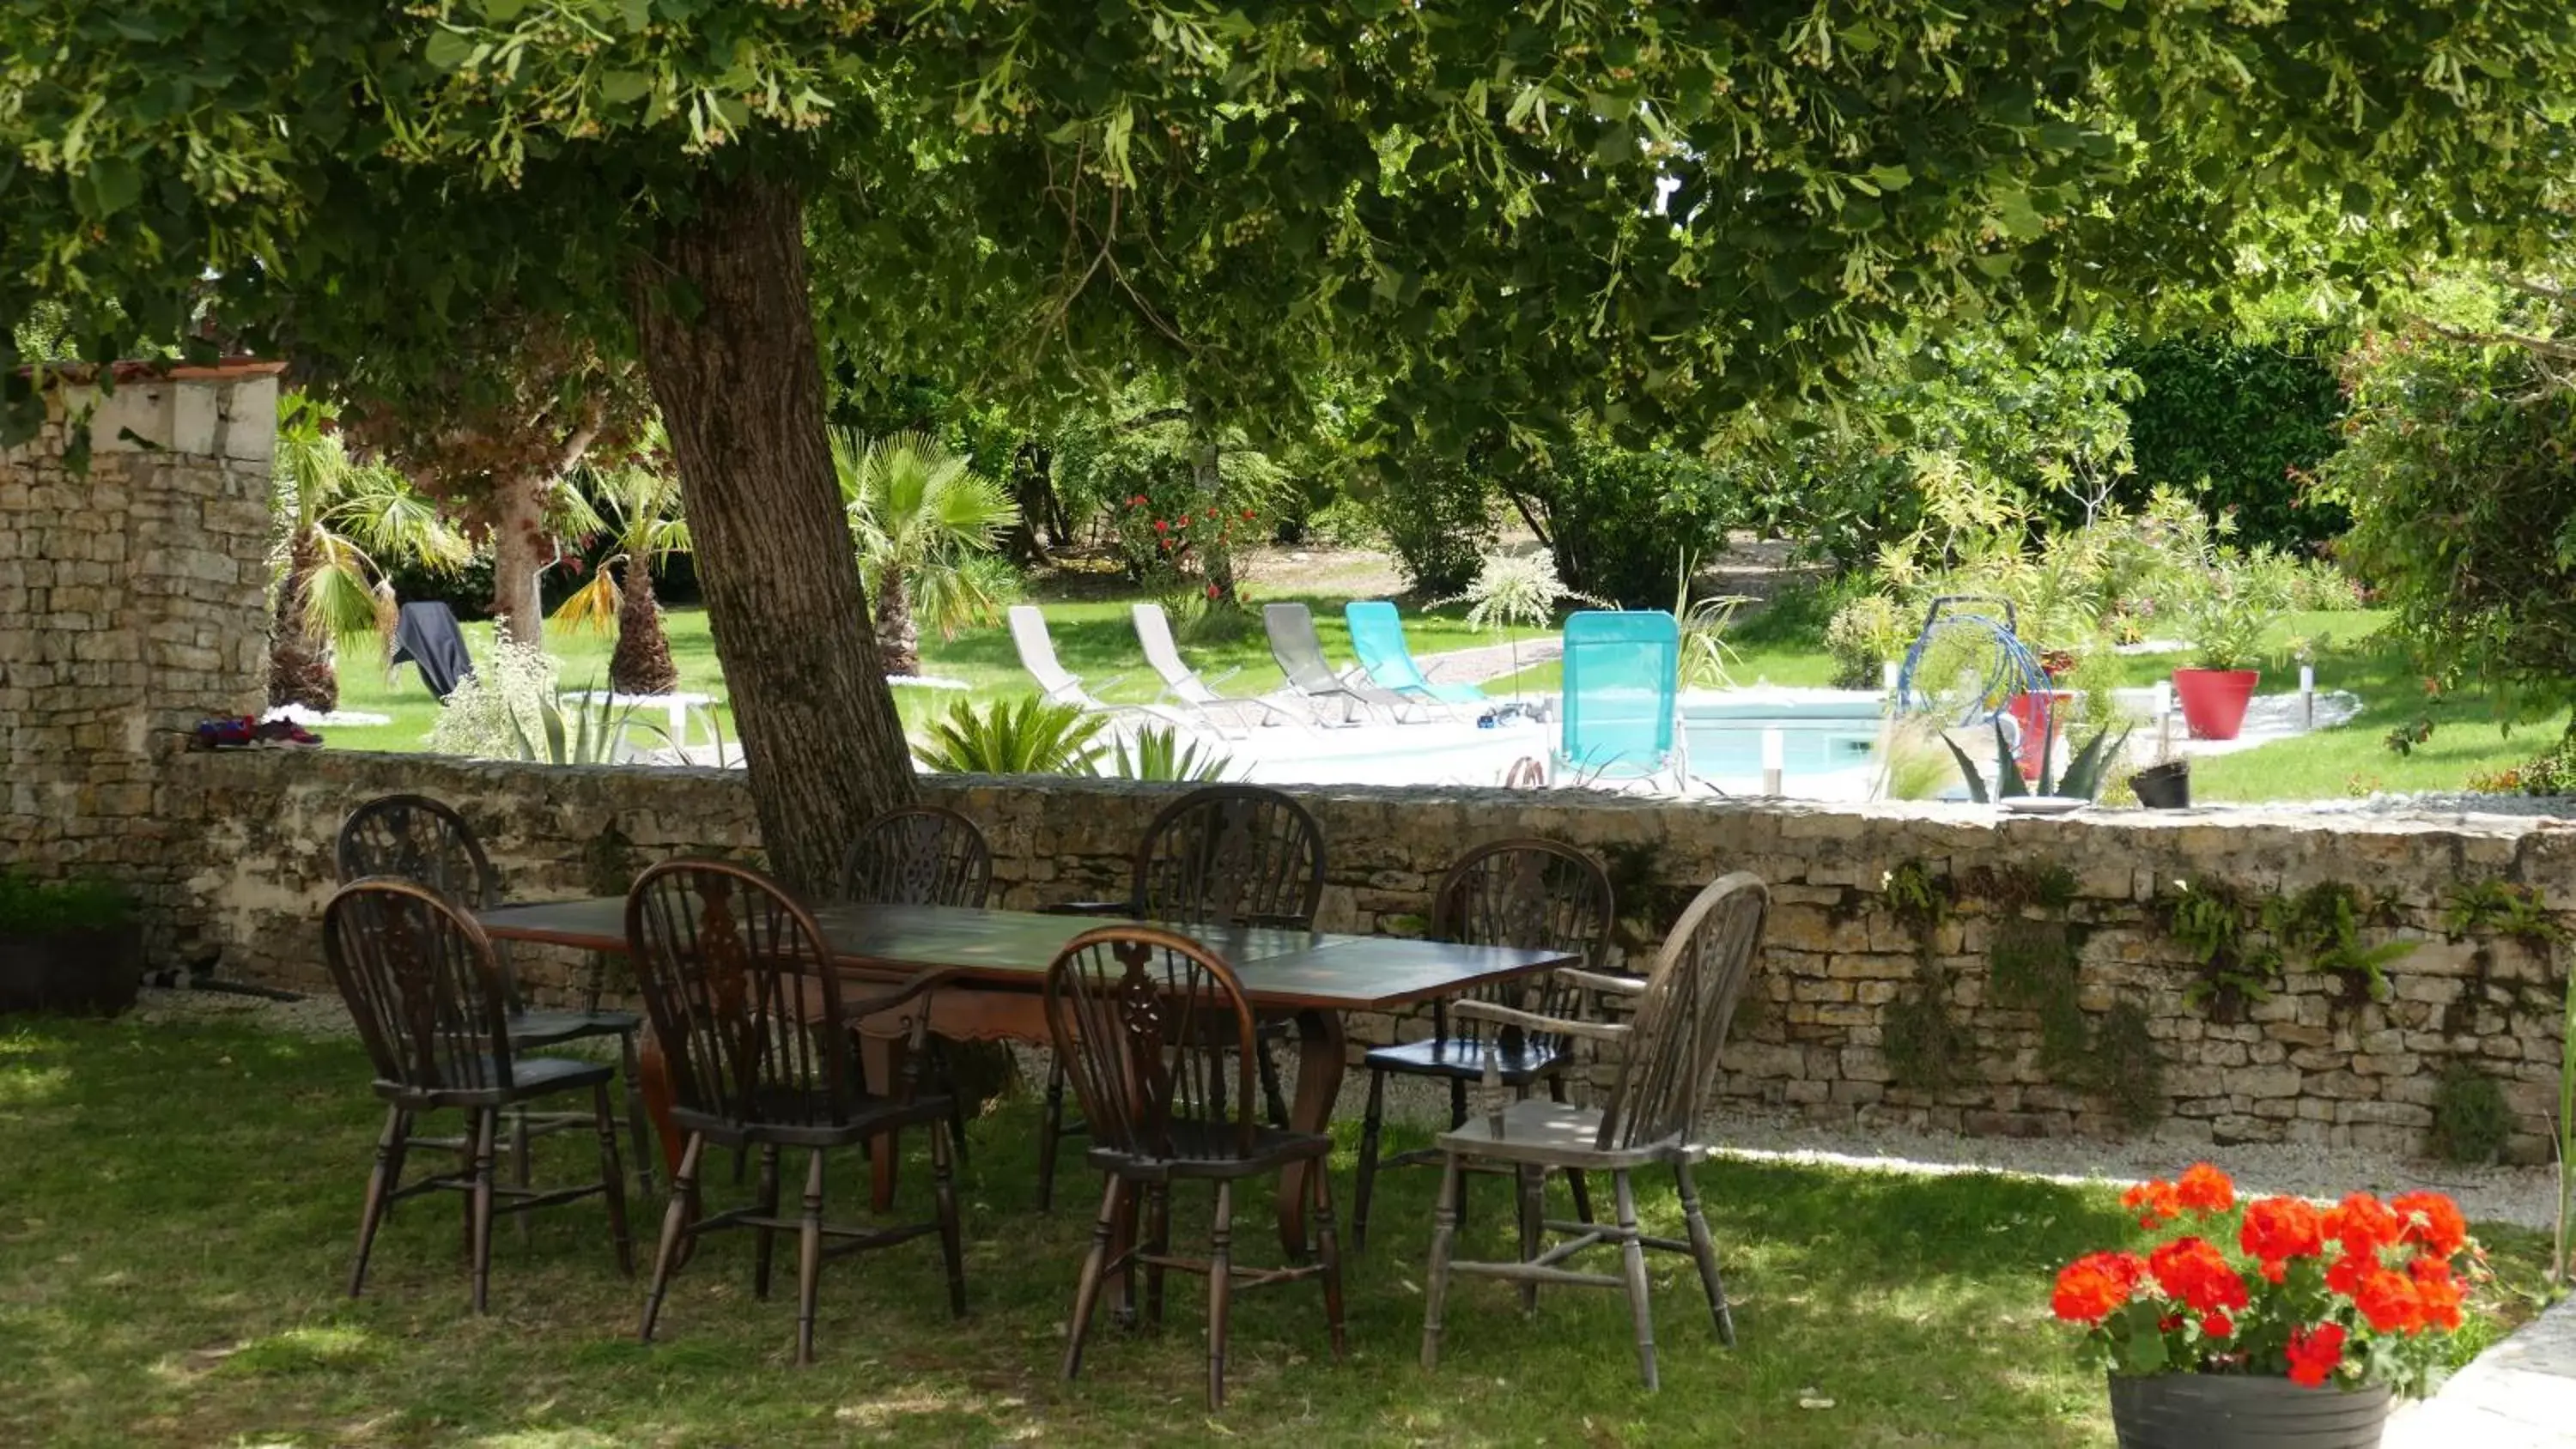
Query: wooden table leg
[(653, 1083), (877, 1067), (1321, 1056)]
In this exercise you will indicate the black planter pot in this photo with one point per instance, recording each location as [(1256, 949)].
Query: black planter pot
[(2220, 1411), (89, 971), (2164, 787)]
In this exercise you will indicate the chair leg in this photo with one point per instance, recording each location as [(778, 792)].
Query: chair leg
[(522, 1171), (1050, 1127), (1272, 1097), (1158, 1240), (381, 1183), (1220, 1289), (1532, 1182), (943, 1178), (1095, 1267), (1328, 1248), (487, 1125), (1632, 1256), (1573, 1175), (1444, 1233), (612, 1180), (1458, 1119), (1704, 1250), (639, 1126), (675, 1223), (765, 1240), (809, 1257), (1370, 1126)]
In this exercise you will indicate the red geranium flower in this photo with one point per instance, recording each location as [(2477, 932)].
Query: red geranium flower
[(2389, 1301), (2217, 1325), (2346, 1276), (2438, 1289), (2205, 1189), (2155, 1202), (2278, 1229), (2194, 1271), (2363, 1223), (2433, 1222), (2092, 1286), (2314, 1353)]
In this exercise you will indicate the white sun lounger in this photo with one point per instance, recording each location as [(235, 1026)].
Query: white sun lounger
[(1061, 686), (1183, 684)]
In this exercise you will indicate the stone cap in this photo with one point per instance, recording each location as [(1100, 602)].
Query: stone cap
[(83, 374)]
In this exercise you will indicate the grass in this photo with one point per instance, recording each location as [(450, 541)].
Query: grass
[(183, 1200)]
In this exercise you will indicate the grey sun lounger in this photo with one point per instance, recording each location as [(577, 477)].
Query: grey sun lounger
[(1183, 684), (1300, 652)]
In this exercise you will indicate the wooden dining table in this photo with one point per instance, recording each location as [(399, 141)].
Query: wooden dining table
[(998, 962)]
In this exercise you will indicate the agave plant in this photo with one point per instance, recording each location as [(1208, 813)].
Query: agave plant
[(1158, 752), (2082, 780), (1027, 736)]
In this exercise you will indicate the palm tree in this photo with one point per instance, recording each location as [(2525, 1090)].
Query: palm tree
[(347, 524), (926, 526), (640, 507)]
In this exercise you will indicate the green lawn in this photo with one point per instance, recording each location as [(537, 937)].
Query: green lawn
[(1094, 639), (183, 1197)]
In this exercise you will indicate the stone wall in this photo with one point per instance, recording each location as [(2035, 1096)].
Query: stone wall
[(1848, 972), (131, 606)]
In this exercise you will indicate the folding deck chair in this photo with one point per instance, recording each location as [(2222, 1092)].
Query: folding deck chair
[(1622, 698), (1377, 638), (1183, 684), (1300, 652)]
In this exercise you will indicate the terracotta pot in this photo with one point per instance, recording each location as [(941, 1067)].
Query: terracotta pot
[(2214, 700), (2030, 711), (91, 971), (2227, 1411)]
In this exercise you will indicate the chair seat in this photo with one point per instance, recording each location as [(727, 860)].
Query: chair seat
[(1521, 1060), (1555, 1134), (529, 1077), (1206, 1150), (547, 1028), (792, 1119)]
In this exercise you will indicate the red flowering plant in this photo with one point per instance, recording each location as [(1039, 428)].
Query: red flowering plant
[(2363, 1292), (1164, 534)]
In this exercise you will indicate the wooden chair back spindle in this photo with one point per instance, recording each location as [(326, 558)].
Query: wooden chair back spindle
[(918, 855), (1530, 893), (421, 986), (1160, 1043), (1682, 1016), (741, 994), (421, 840), (1229, 856)]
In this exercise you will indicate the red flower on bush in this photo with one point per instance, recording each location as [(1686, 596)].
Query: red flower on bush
[(2363, 1224), (2193, 1270), (1162, 526), (2155, 1202), (2433, 1223), (2097, 1283), (2390, 1303), (2278, 1229), (2217, 1325), (2204, 1189), (2314, 1353), (1247, 515), (2438, 1289), (1137, 502), (1211, 591)]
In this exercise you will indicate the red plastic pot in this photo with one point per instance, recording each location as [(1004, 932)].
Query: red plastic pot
[(2039, 715), (2214, 700)]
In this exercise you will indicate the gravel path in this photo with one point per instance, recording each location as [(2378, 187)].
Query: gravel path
[(2524, 1196)]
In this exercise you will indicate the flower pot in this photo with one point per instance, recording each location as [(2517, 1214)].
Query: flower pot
[(2164, 787), (2040, 714), (2214, 700), (2227, 1411), (90, 970)]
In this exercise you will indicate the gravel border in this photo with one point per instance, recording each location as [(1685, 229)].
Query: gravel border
[(2523, 1196)]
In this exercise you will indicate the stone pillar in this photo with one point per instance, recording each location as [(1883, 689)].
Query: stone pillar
[(132, 605)]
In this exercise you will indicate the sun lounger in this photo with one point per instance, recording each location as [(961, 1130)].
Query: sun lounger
[(1622, 688), (1377, 639), (1300, 652), (1060, 685), (1183, 684)]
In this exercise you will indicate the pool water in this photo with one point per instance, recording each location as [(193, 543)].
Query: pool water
[(1816, 737)]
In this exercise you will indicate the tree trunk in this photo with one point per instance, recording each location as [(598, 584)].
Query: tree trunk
[(641, 663), (1033, 488), (299, 664), (736, 374), (898, 637), (519, 556), (1207, 486)]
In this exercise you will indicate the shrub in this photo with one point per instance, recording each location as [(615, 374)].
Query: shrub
[(1026, 736), (1618, 517), (1866, 632), (1437, 514), (2471, 1122), (32, 907)]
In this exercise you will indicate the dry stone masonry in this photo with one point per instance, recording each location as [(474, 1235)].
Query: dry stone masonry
[(2085, 1022), (131, 606)]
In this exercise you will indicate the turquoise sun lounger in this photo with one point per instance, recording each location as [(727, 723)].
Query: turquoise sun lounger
[(1377, 638)]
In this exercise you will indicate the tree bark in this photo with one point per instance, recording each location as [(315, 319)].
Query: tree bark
[(299, 664), (518, 557), (1207, 484), (641, 663), (898, 637), (735, 370)]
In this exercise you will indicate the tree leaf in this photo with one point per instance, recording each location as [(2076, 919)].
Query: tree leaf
[(449, 49), (114, 184)]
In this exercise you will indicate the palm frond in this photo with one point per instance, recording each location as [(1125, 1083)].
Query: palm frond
[(1029, 736), (593, 606), (340, 592), (949, 595)]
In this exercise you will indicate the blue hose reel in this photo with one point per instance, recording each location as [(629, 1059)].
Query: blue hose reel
[(2008, 666)]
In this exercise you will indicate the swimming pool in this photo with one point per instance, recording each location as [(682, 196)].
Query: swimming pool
[(1821, 733)]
